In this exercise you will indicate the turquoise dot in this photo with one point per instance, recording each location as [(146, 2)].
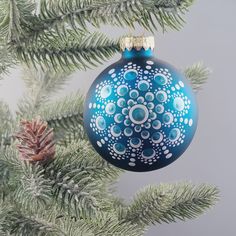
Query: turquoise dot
[(143, 85), (127, 122), (138, 114), (121, 102), (145, 134), (149, 96), (160, 79), (161, 96), (115, 130), (131, 74), (128, 132), (148, 153), (106, 91), (159, 109), (135, 142), (150, 105), (110, 108), (156, 124), (134, 94), (178, 104), (157, 137), (174, 134), (122, 90), (119, 148), (140, 100), (168, 118), (100, 123), (119, 118), (137, 128), (130, 102), (152, 115)]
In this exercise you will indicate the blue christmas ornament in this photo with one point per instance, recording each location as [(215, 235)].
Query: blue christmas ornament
[(140, 113)]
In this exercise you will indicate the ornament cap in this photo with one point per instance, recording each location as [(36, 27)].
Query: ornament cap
[(137, 42)]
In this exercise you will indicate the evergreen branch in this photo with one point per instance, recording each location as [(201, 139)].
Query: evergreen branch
[(78, 177), (6, 61), (109, 225), (9, 166), (6, 119), (41, 85), (34, 190), (13, 19), (20, 223), (167, 203), (64, 114), (125, 13), (68, 51), (197, 74), (80, 154)]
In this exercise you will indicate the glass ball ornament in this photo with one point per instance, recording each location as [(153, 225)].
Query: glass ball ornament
[(140, 113)]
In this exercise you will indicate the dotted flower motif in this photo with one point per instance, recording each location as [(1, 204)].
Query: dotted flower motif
[(140, 115)]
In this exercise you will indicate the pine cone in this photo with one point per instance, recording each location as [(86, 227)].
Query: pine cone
[(36, 141)]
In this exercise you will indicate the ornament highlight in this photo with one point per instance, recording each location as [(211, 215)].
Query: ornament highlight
[(140, 113)]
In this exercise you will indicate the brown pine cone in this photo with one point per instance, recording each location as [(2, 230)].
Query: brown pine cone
[(36, 141)]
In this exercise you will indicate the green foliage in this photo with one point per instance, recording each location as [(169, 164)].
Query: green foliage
[(121, 13), (167, 203), (197, 75), (6, 60), (66, 52), (57, 37), (41, 85), (65, 114), (78, 177), (33, 189)]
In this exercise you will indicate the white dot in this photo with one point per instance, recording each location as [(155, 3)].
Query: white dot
[(186, 121), (132, 159), (150, 62), (111, 71), (190, 122), (99, 144), (168, 155), (131, 164), (177, 86), (102, 141), (90, 105), (181, 84)]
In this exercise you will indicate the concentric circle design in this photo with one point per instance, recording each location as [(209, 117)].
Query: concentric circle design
[(140, 114)]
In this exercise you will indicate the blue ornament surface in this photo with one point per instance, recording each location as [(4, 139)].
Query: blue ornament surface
[(140, 113)]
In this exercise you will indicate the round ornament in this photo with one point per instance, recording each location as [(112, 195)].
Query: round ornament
[(140, 113)]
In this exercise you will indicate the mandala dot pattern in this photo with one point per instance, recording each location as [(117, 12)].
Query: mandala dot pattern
[(140, 113)]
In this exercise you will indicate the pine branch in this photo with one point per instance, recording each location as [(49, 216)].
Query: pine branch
[(78, 177), (41, 85), (125, 13), (64, 114), (13, 19), (68, 51), (9, 167), (20, 223), (6, 119), (197, 75), (167, 203), (34, 190), (7, 60)]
